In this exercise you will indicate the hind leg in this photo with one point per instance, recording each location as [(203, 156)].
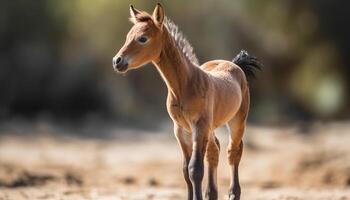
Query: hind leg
[(235, 150), (212, 156), (236, 128)]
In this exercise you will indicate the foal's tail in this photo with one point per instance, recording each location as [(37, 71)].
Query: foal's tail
[(249, 64)]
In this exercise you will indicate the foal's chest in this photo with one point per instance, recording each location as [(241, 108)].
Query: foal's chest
[(178, 114)]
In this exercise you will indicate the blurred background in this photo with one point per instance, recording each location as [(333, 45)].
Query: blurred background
[(71, 128), (55, 58)]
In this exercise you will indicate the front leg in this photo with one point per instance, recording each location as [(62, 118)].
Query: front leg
[(196, 167), (185, 141)]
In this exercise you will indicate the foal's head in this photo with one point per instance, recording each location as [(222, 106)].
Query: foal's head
[(143, 42)]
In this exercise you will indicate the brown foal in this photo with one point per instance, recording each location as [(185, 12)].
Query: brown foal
[(200, 97)]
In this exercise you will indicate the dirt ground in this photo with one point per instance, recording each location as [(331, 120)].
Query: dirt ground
[(278, 163)]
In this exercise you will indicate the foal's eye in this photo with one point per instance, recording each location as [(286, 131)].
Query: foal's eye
[(142, 39)]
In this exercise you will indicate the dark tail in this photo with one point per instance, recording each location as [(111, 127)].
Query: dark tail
[(249, 64)]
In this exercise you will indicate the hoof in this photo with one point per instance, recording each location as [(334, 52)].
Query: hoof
[(211, 195), (234, 197)]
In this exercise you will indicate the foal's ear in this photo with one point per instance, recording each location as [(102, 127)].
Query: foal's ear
[(133, 14), (158, 15)]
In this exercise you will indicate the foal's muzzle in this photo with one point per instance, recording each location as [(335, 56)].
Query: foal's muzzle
[(120, 64)]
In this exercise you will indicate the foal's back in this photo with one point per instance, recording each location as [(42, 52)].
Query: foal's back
[(225, 75), (223, 68)]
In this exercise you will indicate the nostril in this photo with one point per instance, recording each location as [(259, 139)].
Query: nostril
[(118, 60)]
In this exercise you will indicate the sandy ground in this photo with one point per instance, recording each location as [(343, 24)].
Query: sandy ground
[(278, 163)]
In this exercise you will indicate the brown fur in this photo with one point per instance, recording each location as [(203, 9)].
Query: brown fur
[(200, 99)]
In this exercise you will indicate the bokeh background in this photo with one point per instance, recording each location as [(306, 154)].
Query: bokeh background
[(71, 128), (55, 58)]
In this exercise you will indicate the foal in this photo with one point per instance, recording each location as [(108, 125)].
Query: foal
[(200, 97)]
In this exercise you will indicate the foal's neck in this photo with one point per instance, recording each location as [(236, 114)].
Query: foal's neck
[(173, 66)]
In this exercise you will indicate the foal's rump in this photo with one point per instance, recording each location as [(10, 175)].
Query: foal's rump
[(247, 63), (228, 83), (224, 74)]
